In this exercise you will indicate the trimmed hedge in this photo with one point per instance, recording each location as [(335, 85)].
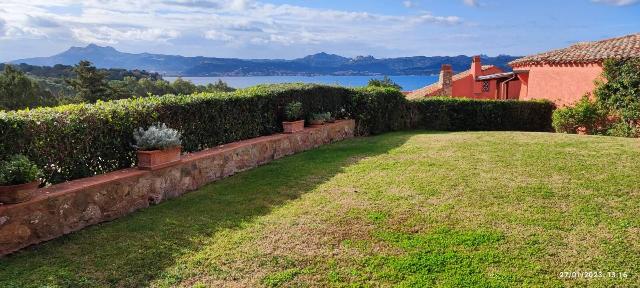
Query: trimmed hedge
[(76, 141), (378, 110), (457, 114)]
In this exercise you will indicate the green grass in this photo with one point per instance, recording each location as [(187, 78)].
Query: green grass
[(410, 209)]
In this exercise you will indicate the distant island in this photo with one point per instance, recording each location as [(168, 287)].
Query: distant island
[(312, 65)]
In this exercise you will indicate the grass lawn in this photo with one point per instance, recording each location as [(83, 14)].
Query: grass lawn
[(412, 209)]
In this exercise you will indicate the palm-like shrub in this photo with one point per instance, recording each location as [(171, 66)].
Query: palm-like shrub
[(156, 137)]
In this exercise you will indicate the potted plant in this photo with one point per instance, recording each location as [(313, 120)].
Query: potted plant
[(317, 119), (293, 115), (158, 146), (330, 118), (18, 179)]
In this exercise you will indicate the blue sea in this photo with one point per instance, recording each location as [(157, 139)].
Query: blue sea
[(408, 83)]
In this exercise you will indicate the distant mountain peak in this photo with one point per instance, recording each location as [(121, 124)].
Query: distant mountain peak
[(91, 49), (323, 55), (95, 47), (323, 59), (321, 63), (363, 58)]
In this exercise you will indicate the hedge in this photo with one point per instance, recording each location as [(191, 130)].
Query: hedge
[(458, 114), (75, 141)]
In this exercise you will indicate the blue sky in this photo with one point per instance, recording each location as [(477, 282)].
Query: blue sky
[(294, 28)]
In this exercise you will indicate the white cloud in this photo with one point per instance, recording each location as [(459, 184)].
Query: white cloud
[(232, 23), (408, 4), (428, 18), (217, 35), (617, 2), (240, 4), (108, 35), (473, 3), (238, 21), (2, 27)]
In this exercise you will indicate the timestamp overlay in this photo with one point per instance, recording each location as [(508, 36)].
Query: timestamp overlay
[(596, 274)]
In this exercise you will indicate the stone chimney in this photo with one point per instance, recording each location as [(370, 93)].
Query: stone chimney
[(476, 71), (446, 80)]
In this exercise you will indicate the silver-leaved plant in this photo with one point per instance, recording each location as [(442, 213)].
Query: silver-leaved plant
[(156, 137)]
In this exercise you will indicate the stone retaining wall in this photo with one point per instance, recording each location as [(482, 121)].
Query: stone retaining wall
[(70, 206)]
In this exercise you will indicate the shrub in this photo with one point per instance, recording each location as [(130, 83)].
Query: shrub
[(329, 117), (294, 111), (156, 137), (586, 117), (318, 117), (378, 110), (457, 114), (622, 129), (18, 170), (621, 90), (616, 108), (385, 82)]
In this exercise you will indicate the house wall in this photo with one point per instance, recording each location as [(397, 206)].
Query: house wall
[(561, 84), (514, 89), (463, 88)]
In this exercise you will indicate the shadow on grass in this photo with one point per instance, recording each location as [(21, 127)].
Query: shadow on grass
[(134, 250)]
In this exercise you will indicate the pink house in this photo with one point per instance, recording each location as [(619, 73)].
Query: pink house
[(479, 82), (562, 76)]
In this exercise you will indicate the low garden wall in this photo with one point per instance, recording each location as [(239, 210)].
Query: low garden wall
[(63, 208)]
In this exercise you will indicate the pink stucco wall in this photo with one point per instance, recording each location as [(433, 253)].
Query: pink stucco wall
[(463, 88), (514, 89), (561, 84)]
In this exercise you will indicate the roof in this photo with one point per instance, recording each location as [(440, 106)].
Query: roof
[(587, 52), (435, 87), (502, 75), (496, 76)]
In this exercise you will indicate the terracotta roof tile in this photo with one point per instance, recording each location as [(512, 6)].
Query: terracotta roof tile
[(587, 52)]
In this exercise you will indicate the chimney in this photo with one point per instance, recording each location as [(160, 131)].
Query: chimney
[(476, 70), (446, 80)]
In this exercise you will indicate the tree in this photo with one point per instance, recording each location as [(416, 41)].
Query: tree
[(90, 83), (184, 87), (620, 93), (385, 82), (18, 91), (219, 86)]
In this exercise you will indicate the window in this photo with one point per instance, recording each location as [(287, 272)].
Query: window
[(485, 86)]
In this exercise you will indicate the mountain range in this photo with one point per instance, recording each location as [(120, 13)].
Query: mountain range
[(317, 64)]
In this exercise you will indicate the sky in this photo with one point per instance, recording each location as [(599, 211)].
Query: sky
[(290, 29)]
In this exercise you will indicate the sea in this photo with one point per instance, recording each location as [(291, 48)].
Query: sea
[(408, 83)]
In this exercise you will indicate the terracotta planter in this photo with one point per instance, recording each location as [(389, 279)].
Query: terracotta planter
[(18, 193), (293, 127), (156, 159)]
